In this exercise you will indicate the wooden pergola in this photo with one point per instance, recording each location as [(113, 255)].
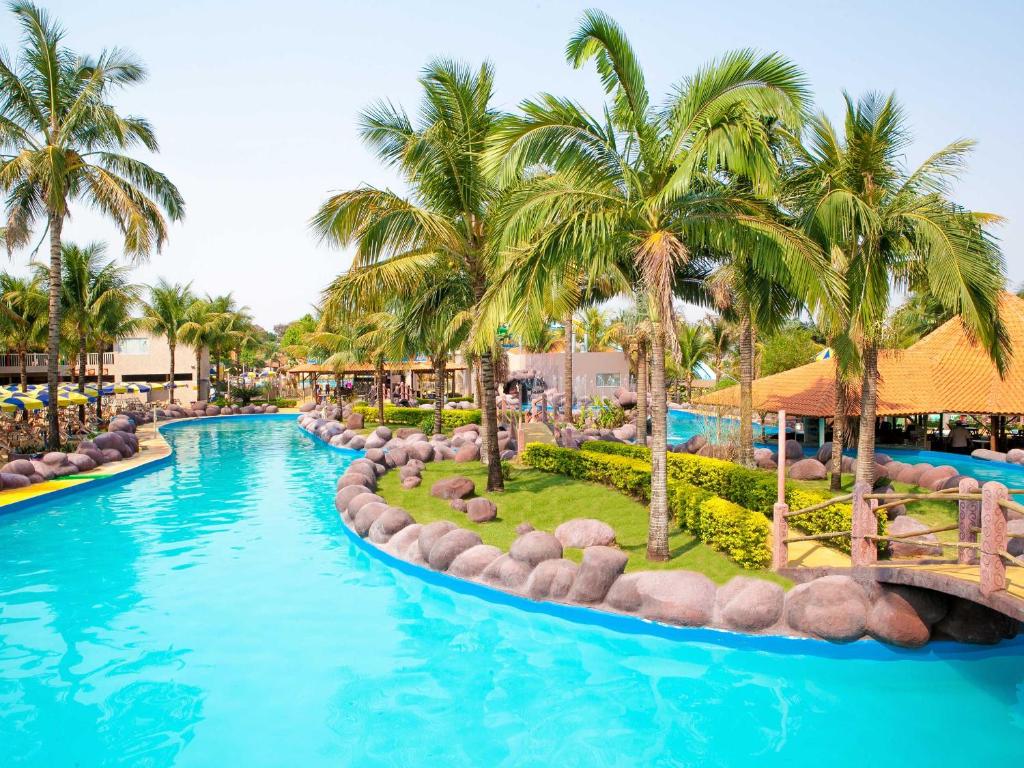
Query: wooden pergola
[(313, 371)]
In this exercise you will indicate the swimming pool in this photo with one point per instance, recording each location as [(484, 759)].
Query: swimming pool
[(213, 612)]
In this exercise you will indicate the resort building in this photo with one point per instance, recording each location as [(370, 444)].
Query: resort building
[(945, 373)]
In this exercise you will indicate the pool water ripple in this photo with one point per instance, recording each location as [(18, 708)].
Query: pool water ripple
[(214, 612)]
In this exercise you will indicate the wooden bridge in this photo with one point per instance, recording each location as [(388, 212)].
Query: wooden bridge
[(980, 567)]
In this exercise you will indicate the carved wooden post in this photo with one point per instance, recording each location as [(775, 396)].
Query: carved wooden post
[(970, 518), (780, 532), (863, 551), (781, 473), (993, 538)]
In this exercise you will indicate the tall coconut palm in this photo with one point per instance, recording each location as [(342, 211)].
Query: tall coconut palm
[(165, 313), (62, 140), (202, 329), (631, 331), (444, 222), (23, 318), (651, 185), (89, 283), (721, 340), (592, 326), (896, 227), (694, 351)]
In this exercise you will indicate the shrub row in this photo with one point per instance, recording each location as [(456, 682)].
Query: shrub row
[(418, 417), (750, 488), (723, 525)]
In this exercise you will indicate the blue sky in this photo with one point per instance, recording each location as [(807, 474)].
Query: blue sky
[(255, 103)]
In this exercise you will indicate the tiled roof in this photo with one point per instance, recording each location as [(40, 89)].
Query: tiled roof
[(945, 372)]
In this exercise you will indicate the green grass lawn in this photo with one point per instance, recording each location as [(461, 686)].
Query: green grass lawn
[(545, 500)]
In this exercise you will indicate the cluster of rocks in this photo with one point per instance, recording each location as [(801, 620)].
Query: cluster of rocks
[(834, 608), (119, 442), (198, 410), (1012, 456), (340, 426)]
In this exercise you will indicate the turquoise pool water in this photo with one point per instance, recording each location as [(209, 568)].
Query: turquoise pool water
[(214, 613)]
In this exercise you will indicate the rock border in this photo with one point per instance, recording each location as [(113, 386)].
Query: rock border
[(835, 608)]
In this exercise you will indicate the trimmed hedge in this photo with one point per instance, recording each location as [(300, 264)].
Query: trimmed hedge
[(723, 525), (418, 417), (750, 488)]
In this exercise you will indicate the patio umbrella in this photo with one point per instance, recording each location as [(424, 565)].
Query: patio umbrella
[(21, 401)]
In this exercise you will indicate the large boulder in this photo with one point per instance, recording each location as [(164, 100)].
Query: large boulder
[(384, 433), (55, 458), (109, 440), (506, 573), (794, 449), (583, 532), (390, 522), (911, 474), (472, 562), (11, 480), (833, 608), (905, 524), (405, 540), (623, 595), (112, 454), (988, 455), (374, 441), (480, 510), (894, 618), (824, 454), (307, 407), (968, 622), (695, 443), (454, 487), (396, 457), (357, 479), (551, 580), (356, 443), (1015, 546), (535, 547), (343, 497), (354, 421), (367, 515), (468, 452), (600, 568), (451, 545), (422, 451), (934, 477), (808, 469), (81, 462), (431, 533), (684, 598), (745, 604), (19, 467), (1015, 456), (411, 482), (361, 500)]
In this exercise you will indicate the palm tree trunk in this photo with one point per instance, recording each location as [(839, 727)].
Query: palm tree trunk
[(838, 435), (568, 367), (868, 406), (641, 394), (439, 373), (81, 376), (657, 529), (378, 384), (99, 385), (170, 386), (53, 337), (495, 482), (23, 362), (746, 388), (199, 373)]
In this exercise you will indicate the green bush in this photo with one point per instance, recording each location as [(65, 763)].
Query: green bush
[(721, 524), (418, 417), (750, 488), (284, 402)]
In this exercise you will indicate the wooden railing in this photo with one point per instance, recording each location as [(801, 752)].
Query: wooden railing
[(983, 538)]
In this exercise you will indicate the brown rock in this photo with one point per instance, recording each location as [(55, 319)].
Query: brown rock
[(431, 533), (354, 421), (454, 487), (360, 500), (968, 622), (623, 595), (468, 452), (472, 562), (411, 482), (932, 478), (507, 573), (523, 528), (832, 608), (894, 620), (906, 524), (583, 532), (600, 568), (551, 580), (365, 517), (808, 469), (345, 495), (390, 522), (748, 605), (459, 505), (404, 540), (535, 547), (684, 598), (481, 510), (450, 546)]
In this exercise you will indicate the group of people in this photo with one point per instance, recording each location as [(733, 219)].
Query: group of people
[(325, 394), (402, 394)]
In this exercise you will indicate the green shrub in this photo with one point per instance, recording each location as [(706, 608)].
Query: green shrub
[(750, 488), (723, 525), (284, 402), (418, 417)]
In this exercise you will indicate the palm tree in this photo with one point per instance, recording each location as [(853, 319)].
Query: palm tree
[(115, 322), (23, 318), (89, 283), (62, 140), (544, 337), (201, 330), (721, 341), (650, 185), (593, 326), (694, 351), (889, 225), (632, 332), (444, 222), (165, 314)]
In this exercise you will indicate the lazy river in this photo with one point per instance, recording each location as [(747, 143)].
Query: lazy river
[(214, 612)]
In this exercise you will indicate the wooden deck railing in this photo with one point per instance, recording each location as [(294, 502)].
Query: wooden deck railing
[(983, 538)]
